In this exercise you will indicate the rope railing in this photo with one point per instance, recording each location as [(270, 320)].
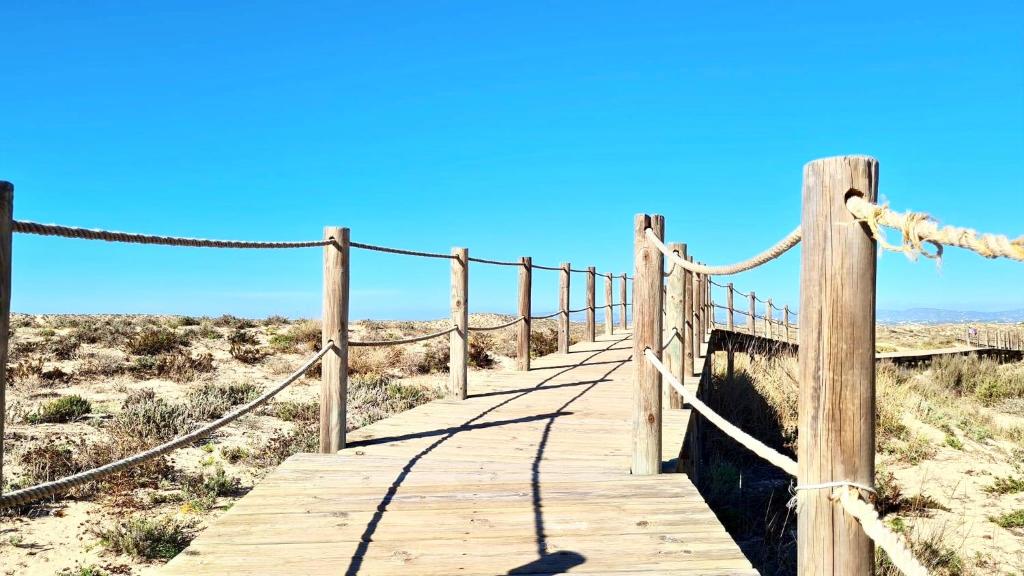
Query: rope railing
[(780, 248), (918, 228), (409, 340), (401, 251), (498, 327), (552, 315), (494, 262), (25, 227), (849, 498), (33, 493)]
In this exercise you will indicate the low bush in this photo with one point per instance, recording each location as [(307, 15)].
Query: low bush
[(543, 342), (179, 366), (149, 539), (304, 438), (202, 490), (479, 351), (247, 354), (154, 341), (148, 418), (302, 336), (1006, 485), (295, 411), (65, 348), (229, 321), (243, 338), (47, 462), (1014, 519), (435, 358), (61, 410), (373, 397), (210, 401)]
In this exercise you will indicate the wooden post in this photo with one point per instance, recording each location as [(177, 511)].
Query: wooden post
[(623, 304), (6, 229), (563, 306), (525, 310), (836, 364), (675, 318), (590, 334), (753, 311), (334, 333), (728, 304), (649, 268), (768, 328), (695, 335), (459, 341), (609, 321), (710, 303), (689, 334), (785, 319)]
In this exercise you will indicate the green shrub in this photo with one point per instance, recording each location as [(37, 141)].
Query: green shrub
[(295, 411), (435, 358), (90, 570), (150, 539), (1014, 519), (300, 337), (62, 410), (202, 490), (65, 348), (373, 397), (1007, 485), (229, 321), (304, 438)]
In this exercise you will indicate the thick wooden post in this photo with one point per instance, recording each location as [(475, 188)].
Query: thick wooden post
[(334, 334), (459, 341), (623, 321), (6, 229), (525, 310), (752, 317), (710, 303), (649, 268), (729, 319), (590, 333), (674, 355), (694, 308), (785, 319), (836, 364), (563, 307), (609, 321), (769, 330)]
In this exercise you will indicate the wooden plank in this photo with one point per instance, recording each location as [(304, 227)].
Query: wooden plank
[(530, 474)]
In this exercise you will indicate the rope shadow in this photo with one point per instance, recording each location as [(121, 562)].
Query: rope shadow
[(371, 528)]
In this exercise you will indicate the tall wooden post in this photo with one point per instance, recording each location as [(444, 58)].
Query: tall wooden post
[(675, 318), (459, 341), (836, 364), (785, 319), (689, 327), (623, 294), (710, 303), (768, 328), (609, 320), (334, 334), (563, 307), (729, 319), (649, 268), (752, 314), (590, 333), (694, 306), (525, 310), (6, 229)]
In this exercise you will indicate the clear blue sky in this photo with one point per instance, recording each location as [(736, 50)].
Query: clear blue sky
[(514, 129)]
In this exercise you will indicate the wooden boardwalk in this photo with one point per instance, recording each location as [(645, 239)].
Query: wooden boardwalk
[(529, 475)]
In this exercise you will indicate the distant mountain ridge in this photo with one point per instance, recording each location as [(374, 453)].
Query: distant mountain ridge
[(941, 316)]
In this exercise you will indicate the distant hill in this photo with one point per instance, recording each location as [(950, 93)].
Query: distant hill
[(940, 316)]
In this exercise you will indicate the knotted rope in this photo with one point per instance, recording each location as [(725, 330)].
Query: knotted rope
[(918, 228)]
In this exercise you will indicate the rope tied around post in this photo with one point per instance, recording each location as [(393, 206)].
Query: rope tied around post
[(918, 228)]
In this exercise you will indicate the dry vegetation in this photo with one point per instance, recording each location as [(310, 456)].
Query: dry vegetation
[(950, 464), (86, 390)]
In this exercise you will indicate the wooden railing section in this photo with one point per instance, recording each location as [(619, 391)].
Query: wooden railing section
[(674, 312)]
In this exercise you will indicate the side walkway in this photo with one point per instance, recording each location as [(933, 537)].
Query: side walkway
[(530, 475)]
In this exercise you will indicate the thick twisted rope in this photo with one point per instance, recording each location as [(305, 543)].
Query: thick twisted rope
[(400, 251), (918, 228), (409, 340), (552, 268), (24, 227), (759, 448), (546, 317), (31, 494), (850, 498), (792, 239), (498, 327), (883, 537)]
